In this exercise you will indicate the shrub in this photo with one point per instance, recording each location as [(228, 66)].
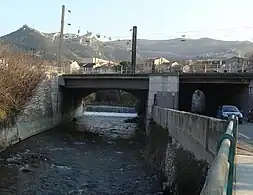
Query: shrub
[(20, 74)]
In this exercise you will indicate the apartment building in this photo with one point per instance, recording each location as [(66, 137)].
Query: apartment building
[(97, 61), (209, 65), (151, 63), (237, 64)]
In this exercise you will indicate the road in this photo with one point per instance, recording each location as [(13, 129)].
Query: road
[(243, 183), (245, 139)]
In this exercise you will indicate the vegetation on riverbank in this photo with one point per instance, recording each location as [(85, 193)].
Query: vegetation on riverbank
[(111, 98), (20, 74)]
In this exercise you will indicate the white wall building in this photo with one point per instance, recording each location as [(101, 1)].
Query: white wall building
[(74, 67), (153, 62)]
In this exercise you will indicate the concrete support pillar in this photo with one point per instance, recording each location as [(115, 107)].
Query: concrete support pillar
[(56, 98), (78, 110), (168, 85)]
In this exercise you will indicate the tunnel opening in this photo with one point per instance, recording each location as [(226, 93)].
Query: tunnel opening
[(215, 95), (135, 99), (198, 102), (111, 98), (118, 101), (108, 112)]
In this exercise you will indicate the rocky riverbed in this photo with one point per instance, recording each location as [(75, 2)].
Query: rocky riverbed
[(63, 161)]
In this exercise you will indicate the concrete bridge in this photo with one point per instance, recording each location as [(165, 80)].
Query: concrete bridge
[(58, 99), (200, 135), (177, 89)]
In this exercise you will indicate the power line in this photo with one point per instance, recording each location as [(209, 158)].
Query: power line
[(162, 36), (166, 35), (177, 34), (203, 30), (184, 35)]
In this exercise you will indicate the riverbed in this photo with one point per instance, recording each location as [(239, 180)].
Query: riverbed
[(69, 160)]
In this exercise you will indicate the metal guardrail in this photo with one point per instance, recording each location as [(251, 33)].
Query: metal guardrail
[(222, 172), (68, 70)]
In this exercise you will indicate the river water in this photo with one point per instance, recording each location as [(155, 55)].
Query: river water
[(71, 161)]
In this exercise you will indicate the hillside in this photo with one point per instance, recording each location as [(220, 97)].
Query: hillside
[(78, 47)]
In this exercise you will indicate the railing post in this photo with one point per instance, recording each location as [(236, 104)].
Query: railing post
[(236, 132), (231, 157), (230, 137)]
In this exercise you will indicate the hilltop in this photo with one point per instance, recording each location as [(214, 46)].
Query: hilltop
[(77, 47)]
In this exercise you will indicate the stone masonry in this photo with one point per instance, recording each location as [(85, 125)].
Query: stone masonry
[(42, 112), (192, 143)]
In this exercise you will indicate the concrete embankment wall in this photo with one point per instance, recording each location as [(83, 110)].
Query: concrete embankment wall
[(45, 110), (196, 133), (188, 149)]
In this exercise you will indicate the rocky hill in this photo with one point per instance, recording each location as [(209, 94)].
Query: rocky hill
[(77, 47)]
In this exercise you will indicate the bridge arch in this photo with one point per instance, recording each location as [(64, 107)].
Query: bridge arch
[(198, 102), (75, 97), (191, 99), (216, 94)]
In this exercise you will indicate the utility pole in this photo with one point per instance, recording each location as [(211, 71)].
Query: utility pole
[(134, 43), (61, 34)]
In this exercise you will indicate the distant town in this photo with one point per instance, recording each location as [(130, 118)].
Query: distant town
[(161, 64)]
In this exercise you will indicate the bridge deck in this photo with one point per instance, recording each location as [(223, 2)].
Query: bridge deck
[(243, 184)]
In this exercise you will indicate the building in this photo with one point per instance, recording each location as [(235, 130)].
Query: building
[(151, 63), (155, 61), (234, 64), (105, 68), (209, 65), (97, 61), (237, 64), (88, 68), (74, 67), (141, 68), (176, 67), (164, 67), (98, 65)]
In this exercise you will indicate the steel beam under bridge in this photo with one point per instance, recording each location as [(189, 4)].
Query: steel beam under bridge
[(105, 81), (141, 81)]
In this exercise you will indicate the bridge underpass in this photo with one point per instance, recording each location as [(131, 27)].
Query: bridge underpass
[(215, 95), (78, 94), (218, 89), (80, 86)]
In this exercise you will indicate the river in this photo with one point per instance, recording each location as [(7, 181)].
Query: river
[(71, 161)]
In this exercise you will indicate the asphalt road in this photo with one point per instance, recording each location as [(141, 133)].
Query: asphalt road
[(245, 139)]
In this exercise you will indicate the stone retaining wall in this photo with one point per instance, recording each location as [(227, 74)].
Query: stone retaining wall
[(167, 157), (191, 147), (42, 112)]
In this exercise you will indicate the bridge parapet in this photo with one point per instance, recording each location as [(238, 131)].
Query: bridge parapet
[(221, 174), (195, 133)]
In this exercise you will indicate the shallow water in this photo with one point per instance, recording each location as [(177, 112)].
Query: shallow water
[(64, 161)]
